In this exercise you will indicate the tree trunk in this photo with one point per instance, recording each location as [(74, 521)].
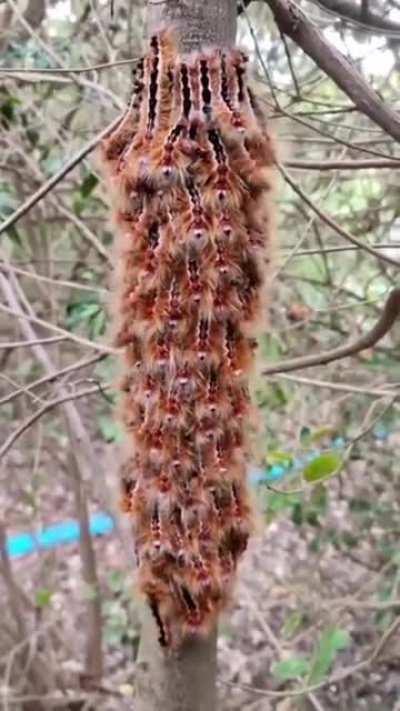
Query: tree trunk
[(175, 681), (183, 680), (198, 23)]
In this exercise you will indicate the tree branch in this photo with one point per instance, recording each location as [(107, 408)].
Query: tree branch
[(362, 15), (56, 178), (341, 387), (52, 377), (65, 398), (343, 164), (57, 329), (292, 21), (390, 314), (331, 222)]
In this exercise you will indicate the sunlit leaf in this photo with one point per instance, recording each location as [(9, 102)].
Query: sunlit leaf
[(322, 466), (292, 623), (110, 429), (291, 668), (87, 312), (275, 456), (332, 641)]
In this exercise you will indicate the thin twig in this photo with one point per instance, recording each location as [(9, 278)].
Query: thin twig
[(26, 344), (68, 70), (342, 164), (346, 248), (55, 280), (340, 387), (352, 13), (57, 177), (334, 679), (390, 314), (43, 410), (331, 222), (58, 329), (53, 377), (293, 22)]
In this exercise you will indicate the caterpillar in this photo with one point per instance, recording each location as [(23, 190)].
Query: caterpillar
[(191, 171)]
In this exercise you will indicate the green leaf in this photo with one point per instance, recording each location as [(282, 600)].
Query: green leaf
[(276, 503), (292, 623), (110, 429), (332, 641), (43, 597), (88, 185), (116, 580), (308, 436), (14, 235), (88, 312), (7, 203), (275, 456), (323, 466), (305, 436), (322, 432), (7, 107), (97, 323), (291, 668), (81, 311)]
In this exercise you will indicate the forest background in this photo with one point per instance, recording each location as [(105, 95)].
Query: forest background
[(315, 619)]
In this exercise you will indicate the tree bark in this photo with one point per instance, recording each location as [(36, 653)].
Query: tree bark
[(184, 680), (198, 23)]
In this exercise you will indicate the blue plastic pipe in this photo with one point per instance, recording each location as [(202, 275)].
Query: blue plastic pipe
[(22, 544)]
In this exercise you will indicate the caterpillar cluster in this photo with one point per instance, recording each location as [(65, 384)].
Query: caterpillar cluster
[(191, 170)]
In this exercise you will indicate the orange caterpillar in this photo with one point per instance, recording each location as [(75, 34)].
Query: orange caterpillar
[(191, 169)]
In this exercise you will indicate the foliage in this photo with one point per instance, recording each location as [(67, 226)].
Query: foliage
[(332, 516)]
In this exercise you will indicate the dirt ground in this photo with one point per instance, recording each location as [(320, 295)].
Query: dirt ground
[(296, 580)]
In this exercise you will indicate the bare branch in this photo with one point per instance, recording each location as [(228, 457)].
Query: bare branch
[(94, 390), (47, 72), (346, 248), (342, 164), (360, 15), (56, 178), (41, 676), (340, 387), (7, 267), (389, 316), (94, 625), (293, 22), (331, 222), (59, 329), (53, 376), (34, 342)]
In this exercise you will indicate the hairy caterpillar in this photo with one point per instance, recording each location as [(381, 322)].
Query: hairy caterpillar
[(191, 170)]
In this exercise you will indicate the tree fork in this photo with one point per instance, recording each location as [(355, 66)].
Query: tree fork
[(183, 680)]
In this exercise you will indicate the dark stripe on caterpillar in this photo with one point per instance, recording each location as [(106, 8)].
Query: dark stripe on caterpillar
[(162, 637), (153, 88), (240, 71), (224, 84), (216, 142), (205, 84), (187, 101)]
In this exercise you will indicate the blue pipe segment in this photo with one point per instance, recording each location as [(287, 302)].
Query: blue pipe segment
[(101, 524), (23, 544)]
